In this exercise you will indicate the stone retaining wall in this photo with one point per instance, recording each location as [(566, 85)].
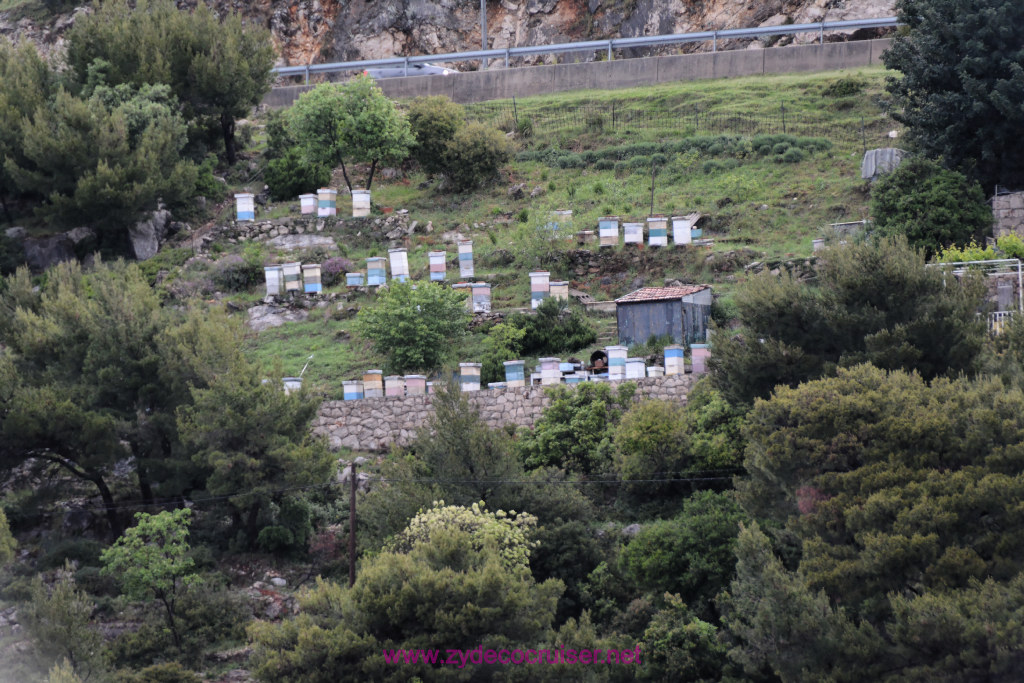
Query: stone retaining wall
[(374, 424)]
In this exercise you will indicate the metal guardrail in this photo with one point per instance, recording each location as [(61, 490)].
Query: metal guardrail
[(592, 46)]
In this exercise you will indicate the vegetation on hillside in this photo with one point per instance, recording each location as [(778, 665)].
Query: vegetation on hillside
[(838, 500)]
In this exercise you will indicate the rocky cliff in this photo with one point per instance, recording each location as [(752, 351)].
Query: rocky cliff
[(310, 31)]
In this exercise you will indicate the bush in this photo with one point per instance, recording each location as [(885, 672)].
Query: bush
[(236, 273), (293, 174), (651, 443), (604, 164), (794, 155), (553, 329), (1011, 245), (474, 155), (844, 87), (434, 122), (932, 206), (167, 672), (165, 259), (333, 270), (84, 551)]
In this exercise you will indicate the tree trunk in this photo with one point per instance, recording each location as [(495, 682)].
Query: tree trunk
[(373, 167), (170, 620), (250, 523), (227, 127), (145, 488), (344, 174), (113, 518), (7, 210)]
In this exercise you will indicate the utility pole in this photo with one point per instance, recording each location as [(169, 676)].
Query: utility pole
[(352, 526), (483, 29)]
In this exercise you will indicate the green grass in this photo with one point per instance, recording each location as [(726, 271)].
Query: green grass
[(755, 205)]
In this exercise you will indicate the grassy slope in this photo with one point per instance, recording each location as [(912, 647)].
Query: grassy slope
[(769, 208)]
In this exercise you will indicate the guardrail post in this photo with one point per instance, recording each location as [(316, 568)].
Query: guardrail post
[(609, 50), (506, 57), (405, 65), (307, 74), (821, 34), (714, 42)]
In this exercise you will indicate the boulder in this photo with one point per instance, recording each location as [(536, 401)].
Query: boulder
[(16, 233), (43, 252), (307, 241), (880, 161), (147, 235), (264, 317)]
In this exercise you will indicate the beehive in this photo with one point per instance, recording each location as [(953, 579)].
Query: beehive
[(674, 360), (682, 228), (559, 290), (275, 280), (655, 371), (292, 276), (539, 284), (635, 368), (399, 264), (608, 231), (354, 279), (438, 266), (291, 384), (352, 389), (560, 220), (616, 361), (657, 231), (311, 278), (466, 258), (481, 297), (373, 384), (633, 233), (326, 202), (415, 385), (496, 385), (469, 299), (469, 376), (307, 204), (394, 385), (576, 378), (699, 354), (360, 203), (245, 207), (586, 237), (515, 373), (376, 273), (549, 371)]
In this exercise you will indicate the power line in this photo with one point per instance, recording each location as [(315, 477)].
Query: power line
[(191, 502)]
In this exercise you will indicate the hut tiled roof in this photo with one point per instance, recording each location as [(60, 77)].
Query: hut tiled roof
[(660, 293)]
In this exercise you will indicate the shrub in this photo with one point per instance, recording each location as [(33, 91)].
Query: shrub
[(333, 270), (794, 155), (844, 87), (166, 672), (434, 122), (236, 273), (604, 164), (1011, 245), (525, 127), (553, 329), (293, 174), (637, 163), (474, 155), (932, 206), (652, 443)]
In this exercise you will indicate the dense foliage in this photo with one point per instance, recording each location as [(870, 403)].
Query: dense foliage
[(962, 84), (930, 206), (414, 325), (873, 302)]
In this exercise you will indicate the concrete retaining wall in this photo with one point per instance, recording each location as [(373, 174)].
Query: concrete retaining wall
[(478, 86), (373, 424)]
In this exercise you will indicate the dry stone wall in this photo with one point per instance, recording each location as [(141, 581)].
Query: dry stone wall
[(1008, 214), (374, 424)]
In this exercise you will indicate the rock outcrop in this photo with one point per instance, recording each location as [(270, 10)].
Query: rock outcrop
[(314, 31)]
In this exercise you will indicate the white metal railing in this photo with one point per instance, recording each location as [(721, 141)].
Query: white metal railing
[(997, 320), (609, 45)]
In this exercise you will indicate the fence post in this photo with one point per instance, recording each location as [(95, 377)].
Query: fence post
[(515, 112), (863, 136), (610, 51), (783, 118)]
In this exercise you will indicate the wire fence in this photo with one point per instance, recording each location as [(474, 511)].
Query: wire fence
[(625, 118)]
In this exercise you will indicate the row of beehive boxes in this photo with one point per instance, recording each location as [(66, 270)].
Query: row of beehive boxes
[(682, 228), (376, 266), (324, 203), (549, 371), (293, 277), (541, 287)]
